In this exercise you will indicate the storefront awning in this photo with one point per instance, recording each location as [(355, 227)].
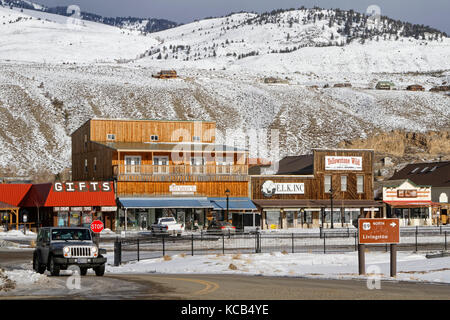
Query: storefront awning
[(161, 203), (406, 204), (234, 203)]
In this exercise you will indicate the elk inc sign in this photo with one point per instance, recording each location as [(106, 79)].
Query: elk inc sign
[(269, 188)]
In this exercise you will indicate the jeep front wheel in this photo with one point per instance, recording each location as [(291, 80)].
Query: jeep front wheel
[(53, 267), (100, 270)]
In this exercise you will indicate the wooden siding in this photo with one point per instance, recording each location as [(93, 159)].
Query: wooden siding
[(315, 186), (140, 131), (89, 151), (209, 189), (351, 193)]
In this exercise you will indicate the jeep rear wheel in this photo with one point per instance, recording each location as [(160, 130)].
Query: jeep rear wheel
[(38, 267), (100, 270), (53, 267)]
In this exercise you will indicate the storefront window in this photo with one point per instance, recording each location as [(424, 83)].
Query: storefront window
[(273, 219), (419, 213), (75, 219), (290, 219), (351, 215), (86, 219), (336, 216), (63, 219)]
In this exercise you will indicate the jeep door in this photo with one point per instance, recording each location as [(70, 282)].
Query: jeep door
[(44, 245)]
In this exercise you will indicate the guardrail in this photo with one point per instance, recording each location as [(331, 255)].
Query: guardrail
[(157, 246)]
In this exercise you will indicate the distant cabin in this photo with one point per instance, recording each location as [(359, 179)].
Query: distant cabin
[(415, 87), (165, 74), (385, 85), (343, 85), (440, 89), (274, 80)]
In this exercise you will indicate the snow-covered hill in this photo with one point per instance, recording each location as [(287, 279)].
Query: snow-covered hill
[(42, 37), (55, 75)]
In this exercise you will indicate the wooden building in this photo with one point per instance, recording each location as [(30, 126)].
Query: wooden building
[(415, 87), (175, 161), (330, 185), (385, 85), (166, 74)]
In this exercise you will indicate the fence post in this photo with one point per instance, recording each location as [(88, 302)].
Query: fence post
[(192, 244), (292, 242), (348, 233), (164, 246), (324, 243), (356, 241), (117, 252), (445, 240), (138, 249), (416, 237), (223, 243)]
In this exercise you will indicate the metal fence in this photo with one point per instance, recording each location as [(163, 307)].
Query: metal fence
[(324, 241)]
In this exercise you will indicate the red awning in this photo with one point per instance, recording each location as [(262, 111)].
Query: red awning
[(44, 195), (81, 198), (411, 203), (13, 194)]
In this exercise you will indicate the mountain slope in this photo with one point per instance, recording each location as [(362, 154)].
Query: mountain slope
[(55, 75), (144, 25)]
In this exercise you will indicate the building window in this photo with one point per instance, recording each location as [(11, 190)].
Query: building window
[(360, 184), (407, 193), (154, 138), (85, 142), (95, 164), (111, 136), (343, 183), (195, 138), (85, 166), (327, 184)]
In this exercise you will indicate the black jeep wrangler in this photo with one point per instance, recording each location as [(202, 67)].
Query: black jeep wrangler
[(59, 247)]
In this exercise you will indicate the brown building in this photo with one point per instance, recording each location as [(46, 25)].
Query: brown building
[(329, 187), (164, 168)]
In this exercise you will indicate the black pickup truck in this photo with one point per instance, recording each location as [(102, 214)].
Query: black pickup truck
[(57, 248)]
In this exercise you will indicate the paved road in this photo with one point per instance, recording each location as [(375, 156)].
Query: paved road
[(237, 287), (216, 287)]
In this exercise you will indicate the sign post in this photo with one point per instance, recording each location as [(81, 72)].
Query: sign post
[(97, 227), (378, 231)]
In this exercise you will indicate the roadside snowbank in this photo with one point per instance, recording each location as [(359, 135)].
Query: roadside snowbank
[(410, 267), (17, 234)]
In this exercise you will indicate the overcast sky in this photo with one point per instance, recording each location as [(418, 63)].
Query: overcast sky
[(434, 13)]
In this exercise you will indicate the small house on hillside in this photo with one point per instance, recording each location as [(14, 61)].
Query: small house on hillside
[(343, 85), (415, 87), (166, 74), (440, 89), (385, 85)]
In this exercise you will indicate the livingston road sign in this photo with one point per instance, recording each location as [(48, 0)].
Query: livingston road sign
[(379, 231)]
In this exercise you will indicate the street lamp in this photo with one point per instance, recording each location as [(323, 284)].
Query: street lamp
[(25, 219), (331, 200), (227, 193)]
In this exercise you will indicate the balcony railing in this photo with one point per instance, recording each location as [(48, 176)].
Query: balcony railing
[(123, 171)]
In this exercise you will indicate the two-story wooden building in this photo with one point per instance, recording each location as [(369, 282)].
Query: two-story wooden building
[(328, 187), (163, 167)]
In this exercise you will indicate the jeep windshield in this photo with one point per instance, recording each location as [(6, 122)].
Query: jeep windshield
[(71, 234)]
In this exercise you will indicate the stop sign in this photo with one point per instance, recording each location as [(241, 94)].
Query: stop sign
[(97, 226)]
